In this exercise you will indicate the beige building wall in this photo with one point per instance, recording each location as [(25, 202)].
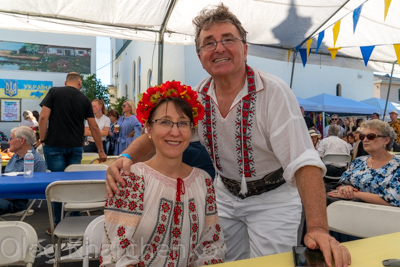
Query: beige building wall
[(381, 85)]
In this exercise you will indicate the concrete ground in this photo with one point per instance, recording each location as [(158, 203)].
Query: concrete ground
[(40, 222)]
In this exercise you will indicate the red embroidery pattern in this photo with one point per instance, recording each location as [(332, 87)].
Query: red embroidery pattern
[(174, 252), (244, 124), (211, 203), (194, 230), (130, 200), (209, 126), (159, 233)]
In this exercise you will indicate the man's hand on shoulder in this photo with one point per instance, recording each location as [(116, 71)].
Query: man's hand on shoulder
[(113, 175)]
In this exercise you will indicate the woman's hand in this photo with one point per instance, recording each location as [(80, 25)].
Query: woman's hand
[(344, 191), (131, 134)]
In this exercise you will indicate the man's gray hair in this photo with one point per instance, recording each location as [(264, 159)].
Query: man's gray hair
[(25, 132), (333, 130)]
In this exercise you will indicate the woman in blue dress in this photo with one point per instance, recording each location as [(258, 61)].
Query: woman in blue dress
[(129, 127), (374, 178)]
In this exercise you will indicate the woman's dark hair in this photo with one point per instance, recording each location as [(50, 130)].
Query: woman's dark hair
[(114, 113), (181, 106)]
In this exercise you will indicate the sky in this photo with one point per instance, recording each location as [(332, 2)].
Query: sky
[(103, 59)]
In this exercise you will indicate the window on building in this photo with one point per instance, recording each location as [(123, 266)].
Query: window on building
[(338, 89), (134, 82), (398, 94), (149, 77), (139, 74)]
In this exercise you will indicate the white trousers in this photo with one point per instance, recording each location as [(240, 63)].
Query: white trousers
[(258, 225)]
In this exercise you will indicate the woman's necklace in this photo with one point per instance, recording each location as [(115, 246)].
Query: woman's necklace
[(383, 160)]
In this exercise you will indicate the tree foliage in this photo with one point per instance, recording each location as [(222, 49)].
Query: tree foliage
[(118, 104), (93, 88)]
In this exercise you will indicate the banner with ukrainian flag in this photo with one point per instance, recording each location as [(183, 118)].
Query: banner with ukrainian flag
[(24, 89)]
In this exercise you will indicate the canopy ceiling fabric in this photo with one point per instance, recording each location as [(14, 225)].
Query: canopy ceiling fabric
[(274, 26)]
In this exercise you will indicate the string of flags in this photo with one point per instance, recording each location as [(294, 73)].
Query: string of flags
[(366, 51)]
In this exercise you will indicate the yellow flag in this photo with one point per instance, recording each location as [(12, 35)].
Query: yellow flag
[(397, 50), (333, 51), (336, 30), (288, 56), (309, 41), (387, 5)]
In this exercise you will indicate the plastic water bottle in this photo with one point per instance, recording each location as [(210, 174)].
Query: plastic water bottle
[(29, 162)]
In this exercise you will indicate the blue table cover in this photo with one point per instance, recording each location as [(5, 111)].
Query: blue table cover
[(35, 188)]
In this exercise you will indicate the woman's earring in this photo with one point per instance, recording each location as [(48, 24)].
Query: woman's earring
[(149, 136)]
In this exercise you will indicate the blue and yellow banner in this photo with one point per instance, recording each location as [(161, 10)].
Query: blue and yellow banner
[(10, 88)]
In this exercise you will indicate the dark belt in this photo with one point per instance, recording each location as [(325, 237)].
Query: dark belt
[(269, 182)]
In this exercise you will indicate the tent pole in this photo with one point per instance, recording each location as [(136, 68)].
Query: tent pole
[(388, 92), (160, 59), (294, 61), (161, 42)]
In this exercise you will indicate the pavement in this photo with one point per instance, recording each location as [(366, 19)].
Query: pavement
[(45, 254)]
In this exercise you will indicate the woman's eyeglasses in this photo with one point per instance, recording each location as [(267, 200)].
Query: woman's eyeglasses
[(167, 124), (370, 136)]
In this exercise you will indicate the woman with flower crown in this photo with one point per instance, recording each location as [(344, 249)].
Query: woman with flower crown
[(167, 213)]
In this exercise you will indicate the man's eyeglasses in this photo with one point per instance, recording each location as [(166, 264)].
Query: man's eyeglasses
[(227, 42), (167, 124), (370, 136), (334, 119)]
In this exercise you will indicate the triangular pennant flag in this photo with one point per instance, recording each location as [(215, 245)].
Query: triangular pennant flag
[(288, 56), (336, 30), (321, 36), (298, 47), (397, 50), (333, 51), (387, 5), (366, 52), (356, 16), (309, 41), (303, 54)]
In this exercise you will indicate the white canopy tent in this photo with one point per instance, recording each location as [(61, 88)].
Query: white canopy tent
[(274, 27)]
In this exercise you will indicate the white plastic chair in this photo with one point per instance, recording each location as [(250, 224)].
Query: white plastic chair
[(80, 191), (336, 158), (18, 244), (84, 207), (85, 167), (22, 214), (92, 240), (363, 219), (110, 159)]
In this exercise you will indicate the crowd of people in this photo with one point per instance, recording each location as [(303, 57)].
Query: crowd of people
[(57, 135)]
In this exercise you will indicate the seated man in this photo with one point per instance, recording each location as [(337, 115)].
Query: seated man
[(333, 145), (22, 139)]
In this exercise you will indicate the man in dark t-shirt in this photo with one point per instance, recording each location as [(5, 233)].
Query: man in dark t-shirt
[(64, 110), (310, 124)]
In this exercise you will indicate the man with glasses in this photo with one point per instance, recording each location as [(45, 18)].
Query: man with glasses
[(255, 134), (334, 121), (21, 140)]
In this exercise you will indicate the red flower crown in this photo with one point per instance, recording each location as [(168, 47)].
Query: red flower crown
[(169, 89)]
